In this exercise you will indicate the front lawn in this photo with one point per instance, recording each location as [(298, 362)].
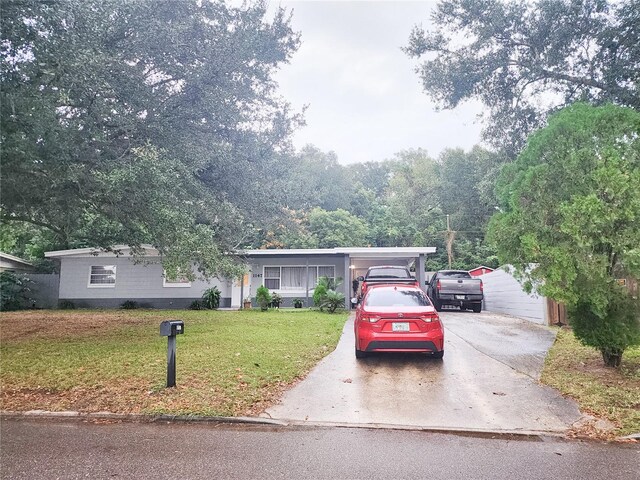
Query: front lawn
[(228, 362), (578, 372)]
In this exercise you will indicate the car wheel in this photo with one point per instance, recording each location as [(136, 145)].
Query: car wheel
[(438, 355), (437, 305), (477, 308), (360, 354)]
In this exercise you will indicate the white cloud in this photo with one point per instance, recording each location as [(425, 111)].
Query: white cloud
[(365, 100)]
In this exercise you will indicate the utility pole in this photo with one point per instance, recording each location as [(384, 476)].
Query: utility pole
[(449, 242)]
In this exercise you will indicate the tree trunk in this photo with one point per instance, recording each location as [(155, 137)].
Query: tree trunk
[(612, 358)]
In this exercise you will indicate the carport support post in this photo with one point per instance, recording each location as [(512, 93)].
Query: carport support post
[(347, 282), (171, 361), (420, 271)]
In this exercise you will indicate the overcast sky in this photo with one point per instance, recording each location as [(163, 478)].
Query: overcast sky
[(365, 101)]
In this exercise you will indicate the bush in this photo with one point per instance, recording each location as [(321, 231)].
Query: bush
[(211, 298), (66, 305), (332, 301), (129, 305), (323, 287), (611, 334), (297, 303), (276, 300), (15, 291), (263, 297), (319, 293), (196, 305)]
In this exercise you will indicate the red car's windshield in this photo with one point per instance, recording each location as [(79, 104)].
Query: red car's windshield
[(395, 297)]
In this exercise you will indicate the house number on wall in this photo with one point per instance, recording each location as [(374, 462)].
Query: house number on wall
[(257, 275)]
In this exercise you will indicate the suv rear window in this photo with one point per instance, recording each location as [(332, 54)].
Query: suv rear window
[(395, 297), (387, 273)]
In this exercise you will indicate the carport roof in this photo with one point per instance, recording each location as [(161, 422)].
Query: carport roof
[(353, 252)]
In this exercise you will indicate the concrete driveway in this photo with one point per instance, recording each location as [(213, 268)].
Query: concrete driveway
[(487, 381)]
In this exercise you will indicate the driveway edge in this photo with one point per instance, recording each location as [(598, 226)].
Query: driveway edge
[(139, 418), (196, 419)]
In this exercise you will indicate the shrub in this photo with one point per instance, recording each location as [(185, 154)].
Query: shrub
[(298, 303), (324, 285), (612, 333), (196, 305), (66, 305), (129, 305), (15, 291), (318, 295), (276, 300), (263, 297), (211, 298), (332, 301)]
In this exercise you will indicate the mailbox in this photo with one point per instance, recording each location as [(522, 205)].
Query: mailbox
[(170, 328)]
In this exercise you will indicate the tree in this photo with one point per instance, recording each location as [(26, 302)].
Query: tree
[(316, 179), (131, 122), (571, 220), (413, 216), (337, 229), (526, 59)]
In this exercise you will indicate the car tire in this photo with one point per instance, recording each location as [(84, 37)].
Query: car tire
[(477, 308), (438, 355), (360, 354)]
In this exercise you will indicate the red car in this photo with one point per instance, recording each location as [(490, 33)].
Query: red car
[(397, 318)]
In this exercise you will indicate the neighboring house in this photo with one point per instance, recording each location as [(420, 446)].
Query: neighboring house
[(9, 263), (481, 270), (503, 293), (93, 278)]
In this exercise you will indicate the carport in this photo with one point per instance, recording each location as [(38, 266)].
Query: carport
[(360, 259)]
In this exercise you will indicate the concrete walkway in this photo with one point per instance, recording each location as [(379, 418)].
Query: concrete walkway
[(478, 386)]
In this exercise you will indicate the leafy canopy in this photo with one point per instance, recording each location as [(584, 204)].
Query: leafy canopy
[(571, 217), (522, 59), (132, 122)]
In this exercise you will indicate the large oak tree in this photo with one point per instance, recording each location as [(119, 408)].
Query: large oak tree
[(526, 59), (146, 121)]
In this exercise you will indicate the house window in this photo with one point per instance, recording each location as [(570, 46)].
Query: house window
[(102, 276), (272, 278), (179, 281), (328, 271), (292, 278)]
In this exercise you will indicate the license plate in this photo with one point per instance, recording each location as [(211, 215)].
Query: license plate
[(400, 326), (460, 297)]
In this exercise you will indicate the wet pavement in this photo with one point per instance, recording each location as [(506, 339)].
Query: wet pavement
[(39, 450), (487, 381)]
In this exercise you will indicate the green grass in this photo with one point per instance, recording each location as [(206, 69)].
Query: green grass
[(228, 363), (578, 372)]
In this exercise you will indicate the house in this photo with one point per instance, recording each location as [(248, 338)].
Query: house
[(90, 277), (481, 270), (9, 263)]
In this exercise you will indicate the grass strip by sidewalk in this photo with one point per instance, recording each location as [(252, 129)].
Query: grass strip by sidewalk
[(578, 372), (228, 362)]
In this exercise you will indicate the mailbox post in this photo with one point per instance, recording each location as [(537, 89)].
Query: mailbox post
[(169, 329)]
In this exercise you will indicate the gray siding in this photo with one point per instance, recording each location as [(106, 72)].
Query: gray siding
[(504, 294), (139, 282), (45, 289)]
